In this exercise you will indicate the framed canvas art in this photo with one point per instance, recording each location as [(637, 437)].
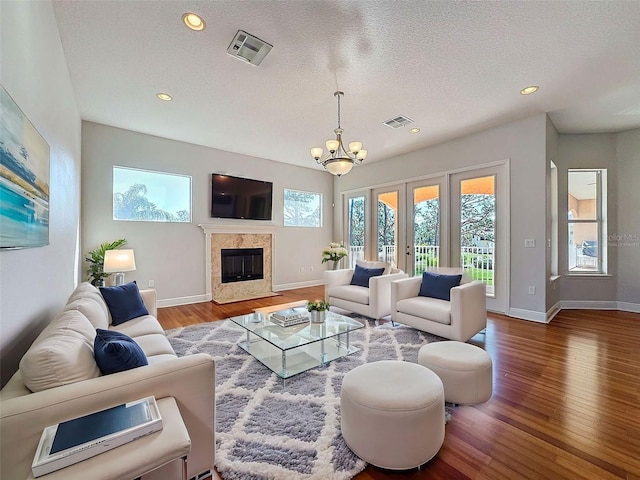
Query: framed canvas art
[(24, 179)]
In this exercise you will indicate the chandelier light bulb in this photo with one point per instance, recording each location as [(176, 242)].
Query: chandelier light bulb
[(316, 152), (362, 154), (332, 145), (355, 147)]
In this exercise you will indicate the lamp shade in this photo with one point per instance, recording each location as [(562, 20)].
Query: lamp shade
[(119, 261), (339, 166)]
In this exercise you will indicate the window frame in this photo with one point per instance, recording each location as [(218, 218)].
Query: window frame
[(320, 219), (152, 172), (600, 220)]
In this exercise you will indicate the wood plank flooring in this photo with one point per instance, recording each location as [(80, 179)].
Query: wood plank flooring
[(565, 404)]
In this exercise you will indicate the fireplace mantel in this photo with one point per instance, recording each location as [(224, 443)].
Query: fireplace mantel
[(239, 229)]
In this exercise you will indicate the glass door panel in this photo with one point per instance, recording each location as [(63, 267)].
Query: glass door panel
[(356, 228), (426, 228), (387, 204), (478, 228)]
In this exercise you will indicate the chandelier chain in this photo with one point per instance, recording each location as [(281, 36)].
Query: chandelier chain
[(339, 126)]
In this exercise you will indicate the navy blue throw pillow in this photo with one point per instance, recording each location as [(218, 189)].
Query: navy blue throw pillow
[(439, 286), (116, 352), (361, 275), (124, 302)]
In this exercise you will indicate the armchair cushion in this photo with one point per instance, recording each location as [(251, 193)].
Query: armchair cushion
[(116, 352), (436, 285), (370, 264), (438, 310), (351, 293), (124, 302), (361, 275)]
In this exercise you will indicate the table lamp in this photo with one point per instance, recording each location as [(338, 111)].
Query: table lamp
[(118, 262)]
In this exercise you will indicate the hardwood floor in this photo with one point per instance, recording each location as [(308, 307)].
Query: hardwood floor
[(565, 404)]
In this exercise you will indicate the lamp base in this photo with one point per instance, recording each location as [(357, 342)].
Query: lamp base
[(118, 278)]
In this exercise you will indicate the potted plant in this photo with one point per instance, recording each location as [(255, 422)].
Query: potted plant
[(318, 310), (96, 261)]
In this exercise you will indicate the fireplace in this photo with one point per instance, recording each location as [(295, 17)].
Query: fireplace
[(241, 264)]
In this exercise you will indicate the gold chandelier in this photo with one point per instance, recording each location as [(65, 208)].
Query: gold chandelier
[(338, 160)]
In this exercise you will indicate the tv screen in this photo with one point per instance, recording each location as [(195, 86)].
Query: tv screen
[(235, 197)]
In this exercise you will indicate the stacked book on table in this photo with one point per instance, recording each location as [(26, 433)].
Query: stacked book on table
[(290, 316)]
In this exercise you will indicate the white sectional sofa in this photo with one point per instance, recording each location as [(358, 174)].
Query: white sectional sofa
[(59, 379)]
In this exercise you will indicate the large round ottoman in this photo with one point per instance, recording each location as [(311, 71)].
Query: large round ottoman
[(466, 371), (392, 413)]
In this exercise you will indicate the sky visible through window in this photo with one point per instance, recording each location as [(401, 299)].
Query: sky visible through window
[(143, 195)]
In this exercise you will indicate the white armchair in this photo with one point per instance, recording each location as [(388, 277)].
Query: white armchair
[(373, 301), (458, 319)]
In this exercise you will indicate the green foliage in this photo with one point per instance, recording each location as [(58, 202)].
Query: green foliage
[(301, 209), (95, 258), (318, 305)]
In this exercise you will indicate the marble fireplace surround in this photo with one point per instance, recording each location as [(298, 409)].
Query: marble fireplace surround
[(218, 237)]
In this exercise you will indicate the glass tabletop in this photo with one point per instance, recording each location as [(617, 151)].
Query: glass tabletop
[(295, 336)]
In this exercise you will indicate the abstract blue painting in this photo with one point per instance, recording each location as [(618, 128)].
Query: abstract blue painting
[(24, 179)]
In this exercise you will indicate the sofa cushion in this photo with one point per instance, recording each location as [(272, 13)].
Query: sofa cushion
[(62, 353), (116, 352), (137, 327), (361, 275), (86, 290), (124, 302), (430, 309), (351, 293), (436, 285), (90, 308), (368, 264)]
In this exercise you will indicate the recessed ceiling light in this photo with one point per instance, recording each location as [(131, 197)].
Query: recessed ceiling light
[(529, 90), (193, 21), (414, 130), (164, 96)]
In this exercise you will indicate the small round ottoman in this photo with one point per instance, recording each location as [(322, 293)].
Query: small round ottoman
[(466, 371), (392, 413)]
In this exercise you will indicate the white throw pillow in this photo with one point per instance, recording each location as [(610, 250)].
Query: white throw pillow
[(91, 309), (62, 353), (368, 264)]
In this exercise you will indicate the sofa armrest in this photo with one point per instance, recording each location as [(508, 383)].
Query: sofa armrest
[(150, 299), (190, 380), (468, 309), (334, 278), (404, 288), (380, 293)]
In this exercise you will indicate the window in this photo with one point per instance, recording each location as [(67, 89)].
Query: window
[(302, 209), (146, 196), (587, 221)]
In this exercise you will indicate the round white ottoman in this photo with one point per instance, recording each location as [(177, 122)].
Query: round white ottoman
[(392, 413), (466, 371)]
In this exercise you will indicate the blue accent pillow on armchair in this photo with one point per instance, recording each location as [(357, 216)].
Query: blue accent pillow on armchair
[(435, 285), (361, 275), (124, 302), (116, 352)]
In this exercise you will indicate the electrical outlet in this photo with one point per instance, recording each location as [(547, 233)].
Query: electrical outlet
[(529, 243), (532, 290), (311, 268), (301, 269), (152, 283)]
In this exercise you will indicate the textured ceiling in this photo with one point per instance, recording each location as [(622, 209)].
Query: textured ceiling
[(452, 67)]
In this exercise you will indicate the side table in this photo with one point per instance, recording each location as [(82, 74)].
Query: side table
[(136, 458)]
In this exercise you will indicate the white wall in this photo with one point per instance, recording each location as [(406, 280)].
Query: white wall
[(627, 239), (587, 151), (35, 282), (523, 143), (552, 287), (172, 254)]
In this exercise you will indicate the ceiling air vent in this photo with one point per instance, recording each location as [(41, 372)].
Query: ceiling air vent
[(248, 48), (397, 122)]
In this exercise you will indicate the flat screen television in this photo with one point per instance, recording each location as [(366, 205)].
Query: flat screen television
[(241, 198)]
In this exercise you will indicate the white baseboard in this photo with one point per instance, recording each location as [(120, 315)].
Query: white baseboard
[(553, 311), (174, 302), (600, 305), (528, 315), (291, 286), (629, 307)]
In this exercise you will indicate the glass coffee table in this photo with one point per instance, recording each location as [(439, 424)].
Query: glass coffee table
[(288, 351)]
